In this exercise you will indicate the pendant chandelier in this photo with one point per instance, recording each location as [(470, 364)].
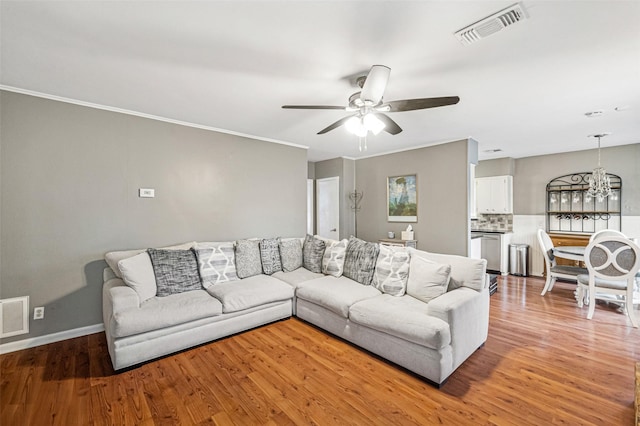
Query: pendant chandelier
[(599, 183)]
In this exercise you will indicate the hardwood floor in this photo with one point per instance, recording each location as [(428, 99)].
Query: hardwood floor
[(544, 363)]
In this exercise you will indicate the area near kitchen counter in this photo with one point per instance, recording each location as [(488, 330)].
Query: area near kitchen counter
[(493, 222), (495, 249)]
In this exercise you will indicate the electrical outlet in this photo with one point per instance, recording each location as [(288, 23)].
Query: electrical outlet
[(38, 313)]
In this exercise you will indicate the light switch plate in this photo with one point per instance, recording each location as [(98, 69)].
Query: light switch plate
[(146, 193)]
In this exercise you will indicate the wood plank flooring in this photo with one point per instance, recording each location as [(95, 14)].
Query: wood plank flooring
[(543, 364)]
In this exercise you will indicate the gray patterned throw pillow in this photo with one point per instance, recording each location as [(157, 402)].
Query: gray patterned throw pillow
[(360, 260), (248, 261), (392, 270), (333, 259), (312, 252), (176, 271), (291, 254), (270, 255), (216, 262)]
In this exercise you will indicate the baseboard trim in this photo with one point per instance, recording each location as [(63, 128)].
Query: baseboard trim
[(50, 338)]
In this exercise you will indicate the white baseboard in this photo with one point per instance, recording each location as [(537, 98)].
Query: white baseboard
[(50, 338)]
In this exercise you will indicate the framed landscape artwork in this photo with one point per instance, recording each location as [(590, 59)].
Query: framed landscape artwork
[(402, 199)]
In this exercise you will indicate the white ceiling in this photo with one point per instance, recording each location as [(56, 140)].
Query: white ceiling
[(231, 65)]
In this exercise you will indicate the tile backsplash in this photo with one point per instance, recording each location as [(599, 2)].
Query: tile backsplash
[(493, 222)]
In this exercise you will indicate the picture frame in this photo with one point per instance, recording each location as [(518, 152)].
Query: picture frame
[(402, 198)]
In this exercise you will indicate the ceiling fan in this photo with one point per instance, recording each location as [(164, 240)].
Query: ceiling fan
[(368, 107)]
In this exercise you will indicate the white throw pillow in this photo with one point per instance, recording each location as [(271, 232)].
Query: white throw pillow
[(333, 258), (392, 270), (137, 273), (427, 279)]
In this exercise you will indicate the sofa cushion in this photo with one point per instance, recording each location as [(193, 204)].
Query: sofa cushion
[(333, 258), (312, 252), (250, 292), (176, 271), (216, 262), (270, 255), (427, 279), (297, 277), (248, 261), (392, 270), (404, 317), (113, 257), (465, 271), (360, 260), (161, 312), (290, 254), (335, 294), (137, 273)]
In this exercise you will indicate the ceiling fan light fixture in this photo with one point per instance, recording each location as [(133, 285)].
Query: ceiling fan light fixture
[(360, 125), (372, 123), (355, 126)]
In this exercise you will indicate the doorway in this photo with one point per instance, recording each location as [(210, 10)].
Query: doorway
[(328, 207)]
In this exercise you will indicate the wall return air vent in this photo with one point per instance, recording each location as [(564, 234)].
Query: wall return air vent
[(491, 24)]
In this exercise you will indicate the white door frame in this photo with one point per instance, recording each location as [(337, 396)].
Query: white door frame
[(311, 207)]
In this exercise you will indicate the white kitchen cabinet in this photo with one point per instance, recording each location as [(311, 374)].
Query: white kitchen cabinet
[(494, 195)]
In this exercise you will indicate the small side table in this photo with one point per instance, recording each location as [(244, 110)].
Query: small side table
[(399, 243)]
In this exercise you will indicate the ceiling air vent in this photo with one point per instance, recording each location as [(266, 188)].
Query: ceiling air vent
[(491, 24)]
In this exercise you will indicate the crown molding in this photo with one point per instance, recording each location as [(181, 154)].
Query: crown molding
[(144, 115)]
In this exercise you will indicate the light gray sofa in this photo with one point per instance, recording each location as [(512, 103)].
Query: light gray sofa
[(431, 339), (163, 325)]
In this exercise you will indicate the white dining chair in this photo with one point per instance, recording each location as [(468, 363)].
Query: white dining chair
[(606, 233), (553, 270), (612, 263)]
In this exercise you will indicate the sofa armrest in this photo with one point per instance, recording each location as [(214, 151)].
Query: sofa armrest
[(123, 297), (467, 313), (116, 297)]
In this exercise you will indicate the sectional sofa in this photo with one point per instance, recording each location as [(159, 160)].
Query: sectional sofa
[(423, 311)]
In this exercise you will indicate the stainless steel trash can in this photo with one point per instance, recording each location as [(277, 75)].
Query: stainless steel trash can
[(519, 259)]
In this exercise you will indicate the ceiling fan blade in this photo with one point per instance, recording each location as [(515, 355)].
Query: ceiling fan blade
[(413, 104), (334, 125), (375, 84), (390, 126), (313, 107)]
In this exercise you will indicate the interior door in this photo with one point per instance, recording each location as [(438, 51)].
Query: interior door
[(328, 207)]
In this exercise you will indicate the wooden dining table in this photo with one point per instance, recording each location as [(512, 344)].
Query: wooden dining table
[(570, 252)]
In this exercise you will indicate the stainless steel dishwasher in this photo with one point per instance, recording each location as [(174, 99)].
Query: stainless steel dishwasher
[(491, 251)]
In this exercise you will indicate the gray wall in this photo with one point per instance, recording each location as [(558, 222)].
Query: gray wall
[(345, 169), (531, 175), (443, 195), (70, 177), (497, 167)]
